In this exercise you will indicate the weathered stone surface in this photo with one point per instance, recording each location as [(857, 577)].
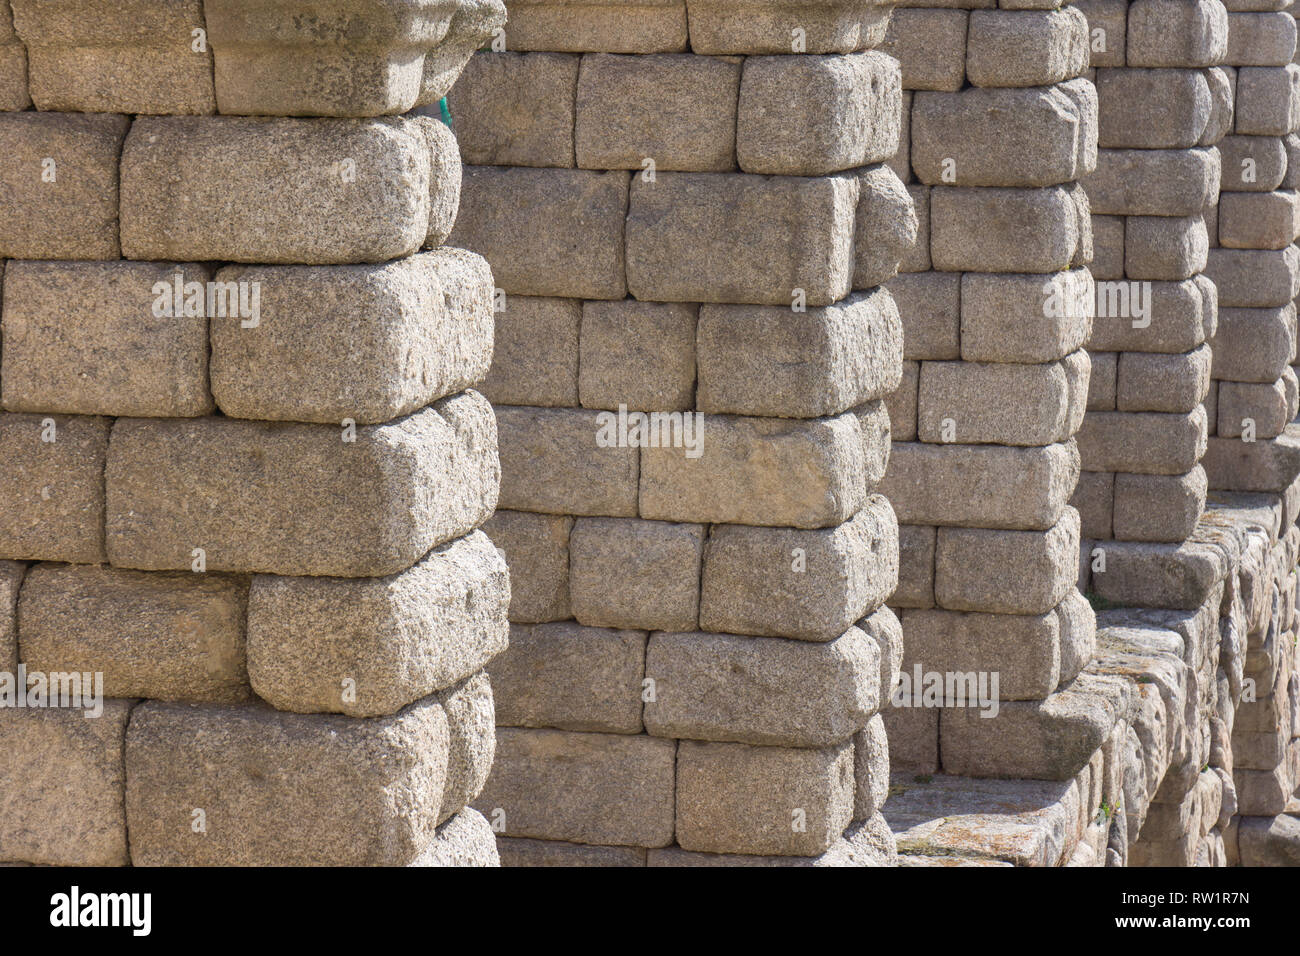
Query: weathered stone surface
[(759, 471), (638, 354), (930, 46), (126, 57), (851, 353), (313, 191), (547, 231), (464, 840), (53, 480), (1164, 247), (414, 331), (1024, 319), (980, 486), (1023, 649), (13, 66), (752, 585), (367, 647), (11, 579), (59, 187), (584, 788), (90, 338), (870, 769), (282, 789), (1006, 572), (1152, 109), (171, 636), (1158, 507), (813, 115), (1253, 163), (615, 130), (1147, 443), (537, 552), (471, 727), (269, 497), (1018, 48), (658, 562), (1153, 182), (1255, 278), (1268, 100), (348, 59), (551, 463), (1039, 740), (1005, 230), (1253, 345), (993, 402), (764, 26), (570, 677), (1162, 383), (1270, 841), (1259, 220), (535, 353), (1176, 34), (734, 798), (614, 26), (1261, 39), (520, 852), (516, 109), (61, 804), (695, 237), (886, 227), (756, 690)]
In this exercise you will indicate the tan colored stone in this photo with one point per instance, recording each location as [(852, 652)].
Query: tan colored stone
[(551, 463), (851, 353), (760, 690), (368, 647), (59, 187), (1006, 572), (570, 677), (537, 553), (516, 109), (267, 497), (61, 804), (282, 789), (734, 798), (90, 338), (535, 353), (53, 481), (615, 129), (605, 789), (637, 354), (413, 331), (632, 573), (171, 636), (810, 585)]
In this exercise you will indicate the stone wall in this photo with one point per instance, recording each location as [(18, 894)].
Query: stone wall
[(243, 465), (687, 209), (829, 348)]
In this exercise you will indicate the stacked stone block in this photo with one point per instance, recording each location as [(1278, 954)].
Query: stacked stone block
[(244, 467), (1253, 260), (994, 302), (689, 215), (1163, 107)]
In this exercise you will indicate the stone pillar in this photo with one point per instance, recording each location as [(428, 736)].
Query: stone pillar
[(1255, 447), (687, 211), (243, 465), (1142, 493), (994, 302)]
